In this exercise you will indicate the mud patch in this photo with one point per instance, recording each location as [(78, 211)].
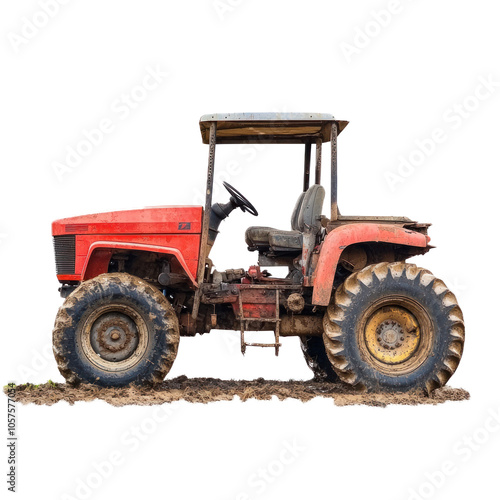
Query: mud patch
[(206, 390)]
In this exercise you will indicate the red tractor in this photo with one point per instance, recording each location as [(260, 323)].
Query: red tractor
[(135, 281)]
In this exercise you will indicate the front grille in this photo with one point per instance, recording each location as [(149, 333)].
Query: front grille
[(64, 247)]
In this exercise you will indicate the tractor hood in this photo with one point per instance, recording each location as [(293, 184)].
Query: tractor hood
[(157, 220)]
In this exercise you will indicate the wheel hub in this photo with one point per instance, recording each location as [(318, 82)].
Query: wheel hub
[(114, 336), (392, 334)]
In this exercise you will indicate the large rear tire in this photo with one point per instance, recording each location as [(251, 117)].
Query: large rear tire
[(394, 327), (115, 330)]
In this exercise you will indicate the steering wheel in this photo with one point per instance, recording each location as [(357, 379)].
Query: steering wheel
[(240, 200)]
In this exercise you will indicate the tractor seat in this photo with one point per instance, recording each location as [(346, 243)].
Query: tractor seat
[(263, 238), (305, 216)]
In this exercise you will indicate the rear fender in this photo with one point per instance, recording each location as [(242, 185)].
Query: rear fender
[(343, 236), (100, 253)]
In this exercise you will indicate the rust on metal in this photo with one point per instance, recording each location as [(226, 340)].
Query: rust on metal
[(333, 188), (341, 237), (258, 311), (295, 303), (307, 166), (206, 217), (274, 128), (301, 325), (317, 177)]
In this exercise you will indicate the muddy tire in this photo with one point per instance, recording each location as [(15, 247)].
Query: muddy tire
[(314, 352), (394, 327), (115, 330)]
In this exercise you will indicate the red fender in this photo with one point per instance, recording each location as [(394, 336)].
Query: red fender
[(100, 253), (343, 236)]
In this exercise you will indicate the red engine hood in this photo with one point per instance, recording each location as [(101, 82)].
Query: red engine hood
[(157, 220)]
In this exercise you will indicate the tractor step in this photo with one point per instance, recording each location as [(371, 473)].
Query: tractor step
[(251, 344), (276, 344), (244, 323)]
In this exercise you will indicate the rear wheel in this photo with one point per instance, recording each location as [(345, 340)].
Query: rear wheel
[(314, 352), (394, 327), (115, 330)]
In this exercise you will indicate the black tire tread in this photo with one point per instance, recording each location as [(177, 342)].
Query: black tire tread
[(125, 281), (334, 334), (316, 358)]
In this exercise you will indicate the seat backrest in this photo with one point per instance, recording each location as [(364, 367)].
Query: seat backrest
[(310, 211), (296, 212)]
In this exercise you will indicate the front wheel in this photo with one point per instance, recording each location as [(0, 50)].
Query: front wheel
[(394, 327), (115, 330)]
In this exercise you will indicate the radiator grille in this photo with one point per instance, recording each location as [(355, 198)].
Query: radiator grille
[(64, 247)]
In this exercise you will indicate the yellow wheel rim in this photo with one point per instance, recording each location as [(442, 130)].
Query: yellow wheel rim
[(392, 334)]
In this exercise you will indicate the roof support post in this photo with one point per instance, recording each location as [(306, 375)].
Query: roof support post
[(333, 140), (319, 144), (307, 165), (206, 218)]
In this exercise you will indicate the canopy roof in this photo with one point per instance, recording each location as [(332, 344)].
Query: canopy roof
[(281, 128)]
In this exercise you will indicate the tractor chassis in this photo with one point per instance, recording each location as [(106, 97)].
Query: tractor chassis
[(275, 304)]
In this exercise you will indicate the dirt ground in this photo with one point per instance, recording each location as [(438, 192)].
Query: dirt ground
[(207, 390)]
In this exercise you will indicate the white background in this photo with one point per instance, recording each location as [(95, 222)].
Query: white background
[(417, 70)]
